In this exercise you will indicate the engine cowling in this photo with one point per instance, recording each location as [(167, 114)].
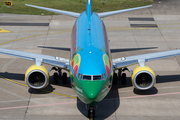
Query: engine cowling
[(143, 78), (37, 77)]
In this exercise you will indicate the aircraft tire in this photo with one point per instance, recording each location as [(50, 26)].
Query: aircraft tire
[(124, 78), (115, 78), (64, 78), (55, 78)]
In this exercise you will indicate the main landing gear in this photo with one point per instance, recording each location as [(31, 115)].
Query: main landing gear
[(59, 76), (120, 76), (91, 112)]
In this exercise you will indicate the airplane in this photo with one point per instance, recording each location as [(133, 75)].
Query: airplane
[(91, 67)]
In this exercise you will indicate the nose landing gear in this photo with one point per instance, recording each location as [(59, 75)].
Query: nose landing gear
[(91, 113)]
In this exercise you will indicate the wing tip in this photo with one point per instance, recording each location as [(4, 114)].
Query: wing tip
[(109, 13)]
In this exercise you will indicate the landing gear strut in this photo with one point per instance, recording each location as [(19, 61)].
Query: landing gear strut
[(91, 113), (59, 76), (123, 78), (120, 76), (64, 78), (115, 78), (55, 78)]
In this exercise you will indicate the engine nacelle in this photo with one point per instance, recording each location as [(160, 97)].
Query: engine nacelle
[(37, 77), (143, 78)]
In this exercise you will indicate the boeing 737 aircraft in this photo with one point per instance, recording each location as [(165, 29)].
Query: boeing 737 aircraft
[(91, 79)]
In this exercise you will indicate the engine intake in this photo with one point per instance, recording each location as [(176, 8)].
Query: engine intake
[(143, 78), (37, 77)]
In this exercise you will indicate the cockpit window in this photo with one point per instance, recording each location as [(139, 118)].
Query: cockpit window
[(91, 77), (97, 77), (86, 77)]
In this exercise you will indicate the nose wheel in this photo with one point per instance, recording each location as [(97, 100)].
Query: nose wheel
[(91, 113)]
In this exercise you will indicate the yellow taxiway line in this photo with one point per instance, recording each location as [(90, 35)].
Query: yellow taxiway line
[(67, 30)]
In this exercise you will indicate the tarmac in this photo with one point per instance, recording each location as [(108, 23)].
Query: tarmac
[(138, 32)]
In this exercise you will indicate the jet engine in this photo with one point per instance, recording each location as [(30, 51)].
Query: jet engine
[(143, 78), (37, 77)]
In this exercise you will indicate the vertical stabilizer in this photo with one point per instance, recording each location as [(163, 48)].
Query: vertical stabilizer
[(88, 8)]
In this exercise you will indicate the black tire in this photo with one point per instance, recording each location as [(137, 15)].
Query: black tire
[(64, 78), (124, 78), (115, 78), (55, 78)]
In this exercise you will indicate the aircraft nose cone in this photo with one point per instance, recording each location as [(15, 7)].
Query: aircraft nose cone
[(92, 95), (92, 89)]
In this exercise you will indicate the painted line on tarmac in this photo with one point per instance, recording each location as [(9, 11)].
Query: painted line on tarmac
[(31, 37), (14, 81), (66, 103), (159, 88), (161, 26), (142, 96), (23, 24), (9, 108), (4, 31), (170, 87), (108, 29), (41, 90), (63, 30), (25, 84), (32, 99), (60, 94)]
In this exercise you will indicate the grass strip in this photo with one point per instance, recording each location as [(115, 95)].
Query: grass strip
[(69, 5)]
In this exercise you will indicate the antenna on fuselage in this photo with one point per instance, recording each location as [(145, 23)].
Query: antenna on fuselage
[(89, 8)]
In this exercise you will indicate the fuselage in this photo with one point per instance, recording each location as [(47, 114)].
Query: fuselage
[(91, 69)]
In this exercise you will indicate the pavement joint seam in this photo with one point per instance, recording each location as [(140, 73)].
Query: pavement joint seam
[(134, 36), (16, 38), (167, 43), (28, 104)]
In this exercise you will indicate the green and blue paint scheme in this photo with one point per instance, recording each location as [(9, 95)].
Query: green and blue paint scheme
[(90, 56)]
